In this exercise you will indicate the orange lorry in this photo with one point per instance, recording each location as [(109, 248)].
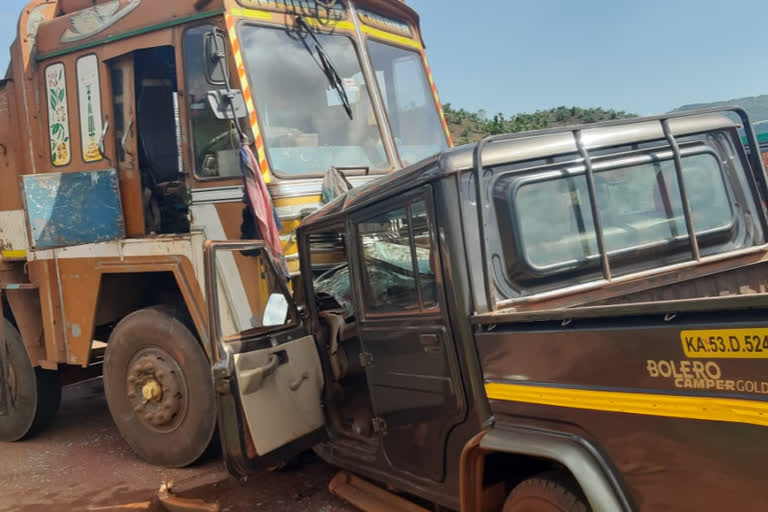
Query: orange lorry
[(122, 130)]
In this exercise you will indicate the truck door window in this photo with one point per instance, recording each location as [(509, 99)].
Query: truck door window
[(215, 142), (398, 261), (248, 306)]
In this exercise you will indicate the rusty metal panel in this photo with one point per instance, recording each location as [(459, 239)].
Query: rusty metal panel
[(66, 209)]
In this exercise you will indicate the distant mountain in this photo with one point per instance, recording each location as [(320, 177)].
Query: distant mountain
[(756, 107)]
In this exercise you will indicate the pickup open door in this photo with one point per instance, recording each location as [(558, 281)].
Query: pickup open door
[(266, 369)]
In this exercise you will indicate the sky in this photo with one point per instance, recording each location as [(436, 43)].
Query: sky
[(513, 56)]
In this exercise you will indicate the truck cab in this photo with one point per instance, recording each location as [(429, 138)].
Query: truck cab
[(130, 130), (569, 319)]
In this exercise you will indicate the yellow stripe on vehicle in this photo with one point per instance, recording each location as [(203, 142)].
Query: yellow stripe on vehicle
[(251, 13), (394, 38), (329, 24), (437, 98), (258, 140), (258, 14), (295, 201), (729, 410), (13, 255)]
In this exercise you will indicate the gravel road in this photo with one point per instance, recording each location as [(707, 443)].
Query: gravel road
[(82, 464)]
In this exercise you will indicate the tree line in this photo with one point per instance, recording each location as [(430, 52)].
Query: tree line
[(469, 127)]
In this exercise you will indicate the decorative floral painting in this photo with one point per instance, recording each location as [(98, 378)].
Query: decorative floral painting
[(58, 114), (89, 103)]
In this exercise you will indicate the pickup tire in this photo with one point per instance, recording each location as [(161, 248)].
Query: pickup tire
[(159, 389), (34, 393), (545, 493)]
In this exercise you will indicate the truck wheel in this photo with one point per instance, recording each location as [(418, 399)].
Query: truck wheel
[(545, 493), (34, 394), (159, 389)]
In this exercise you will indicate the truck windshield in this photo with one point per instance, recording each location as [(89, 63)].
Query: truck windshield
[(409, 101), (306, 127)]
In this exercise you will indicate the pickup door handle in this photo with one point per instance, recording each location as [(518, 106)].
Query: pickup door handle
[(430, 342), (254, 379)]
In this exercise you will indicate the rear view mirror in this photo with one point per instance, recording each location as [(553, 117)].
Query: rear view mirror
[(276, 312), (216, 67), (227, 105)]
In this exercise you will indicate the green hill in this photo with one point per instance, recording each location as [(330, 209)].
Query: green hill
[(469, 127)]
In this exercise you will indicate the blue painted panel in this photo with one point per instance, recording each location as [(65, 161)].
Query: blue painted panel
[(74, 208)]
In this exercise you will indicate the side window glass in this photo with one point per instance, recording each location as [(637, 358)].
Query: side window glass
[(215, 141), (642, 204), (558, 223), (425, 257), (398, 261), (246, 305), (707, 193), (640, 207)]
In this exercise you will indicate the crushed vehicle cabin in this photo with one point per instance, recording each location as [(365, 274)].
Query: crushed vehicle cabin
[(570, 319), (122, 125)]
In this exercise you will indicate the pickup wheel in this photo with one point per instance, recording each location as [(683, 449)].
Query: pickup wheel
[(34, 394), (545, 493), (158, 384)]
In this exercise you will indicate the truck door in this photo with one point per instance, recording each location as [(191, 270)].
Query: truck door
[(408, 350), (268, 378)]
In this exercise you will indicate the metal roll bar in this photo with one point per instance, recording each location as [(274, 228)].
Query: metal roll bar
[(757, 177)]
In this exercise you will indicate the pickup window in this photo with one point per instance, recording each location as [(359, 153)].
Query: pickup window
[(640, 207), (397, 255)]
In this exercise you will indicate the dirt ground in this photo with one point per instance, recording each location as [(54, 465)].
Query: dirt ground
[(82, 464)]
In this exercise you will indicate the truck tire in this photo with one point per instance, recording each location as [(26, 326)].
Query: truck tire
[(159, 388), (545, 493), (34, 393)]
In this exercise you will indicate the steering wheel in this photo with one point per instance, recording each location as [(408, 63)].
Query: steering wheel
[(207, 162)]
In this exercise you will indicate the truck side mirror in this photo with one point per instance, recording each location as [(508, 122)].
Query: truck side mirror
[(216, 67), (227, 104)]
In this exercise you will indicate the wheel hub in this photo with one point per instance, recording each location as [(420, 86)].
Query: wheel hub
[(157, 389), (152, 390)]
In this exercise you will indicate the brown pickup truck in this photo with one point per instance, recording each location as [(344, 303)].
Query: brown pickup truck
[(565, 320)]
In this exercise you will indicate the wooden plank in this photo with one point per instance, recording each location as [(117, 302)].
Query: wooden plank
[(369, 497)]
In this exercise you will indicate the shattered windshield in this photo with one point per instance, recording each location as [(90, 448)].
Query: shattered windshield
[(306, 127), (409, 101)]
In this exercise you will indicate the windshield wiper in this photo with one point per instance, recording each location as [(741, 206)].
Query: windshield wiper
[(327, 66)]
